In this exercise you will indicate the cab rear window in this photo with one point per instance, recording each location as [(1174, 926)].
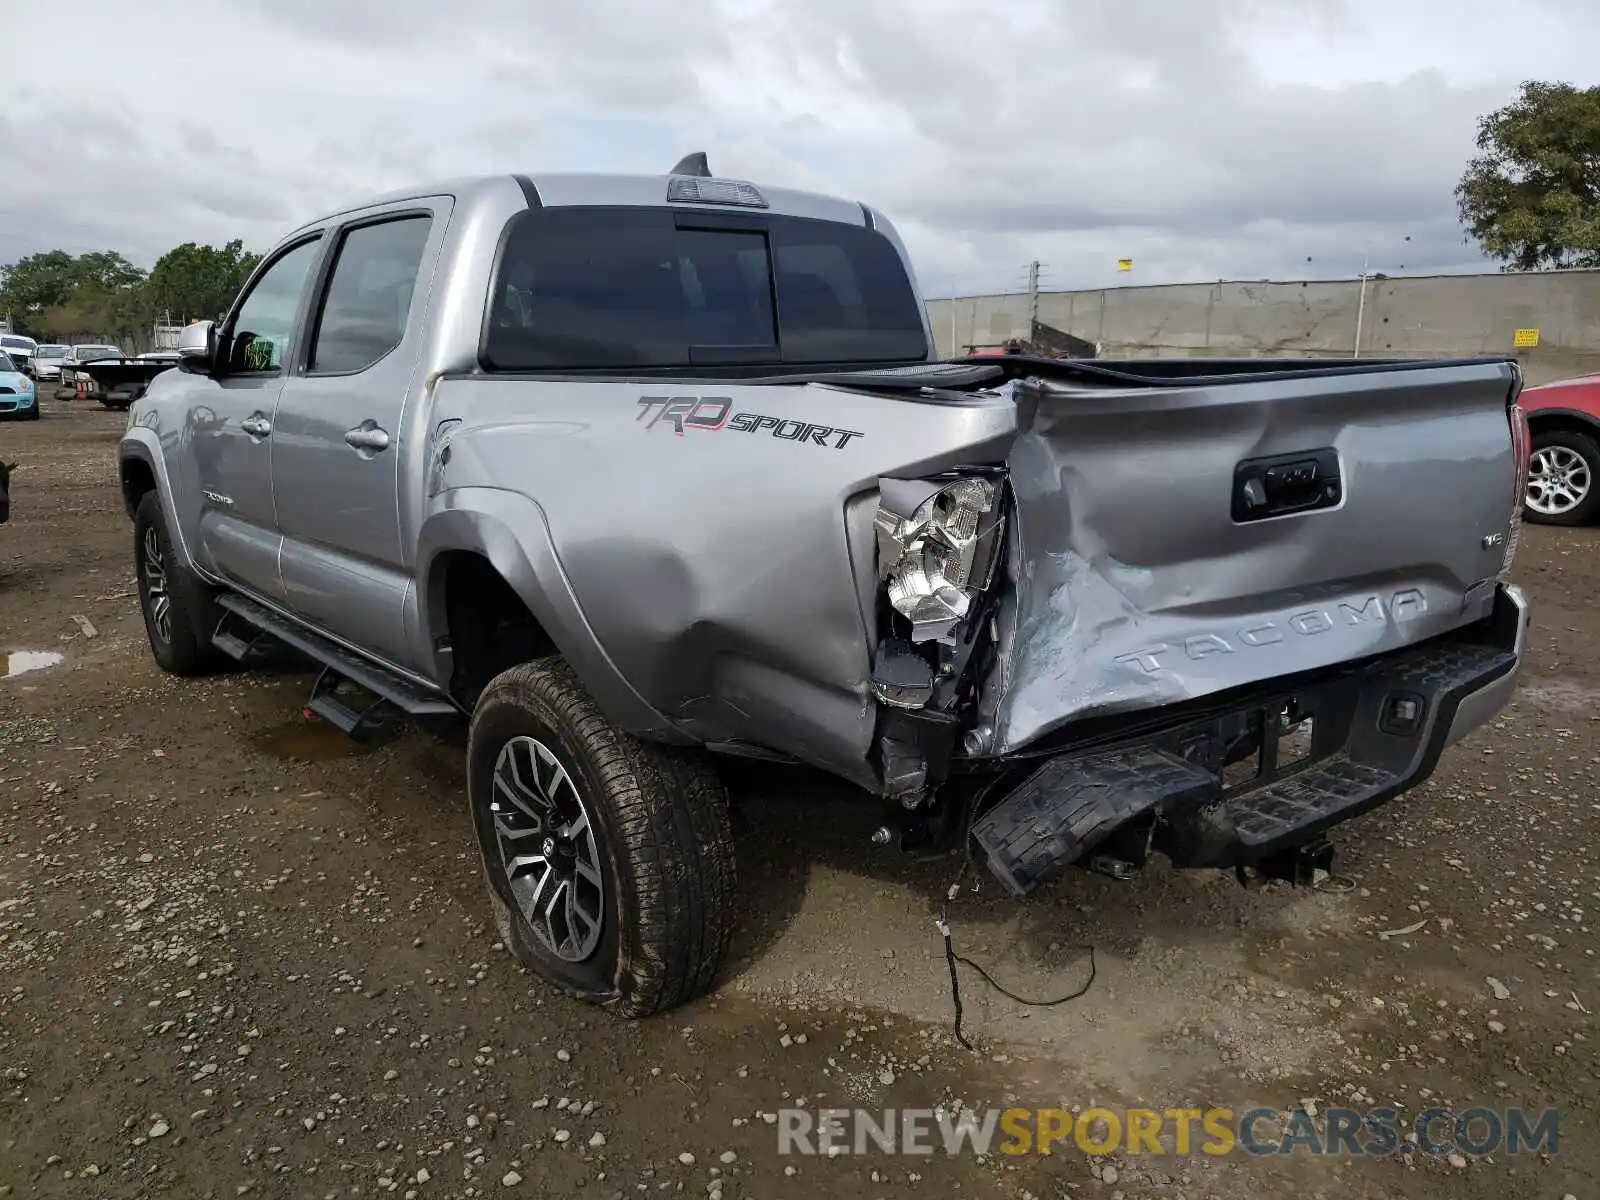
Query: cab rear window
[(595, 289)]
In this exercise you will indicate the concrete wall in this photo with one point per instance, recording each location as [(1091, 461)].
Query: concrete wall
[(1405, 317)]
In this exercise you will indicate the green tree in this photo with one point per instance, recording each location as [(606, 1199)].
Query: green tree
[(107, 271), (38, 282), (196, 282), (101, 294), (55, 292), (1531, 195)]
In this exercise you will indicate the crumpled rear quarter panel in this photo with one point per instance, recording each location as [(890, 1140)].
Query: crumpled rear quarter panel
[(715, 565)]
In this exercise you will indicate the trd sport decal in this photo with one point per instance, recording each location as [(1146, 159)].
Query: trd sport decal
[(713, 413)]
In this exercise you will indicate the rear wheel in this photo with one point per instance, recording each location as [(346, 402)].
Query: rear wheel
[(1563, 479), (609, 860), (179, 612)]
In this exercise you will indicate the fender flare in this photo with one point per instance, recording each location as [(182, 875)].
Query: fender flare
[(140, 444), (511, 531)]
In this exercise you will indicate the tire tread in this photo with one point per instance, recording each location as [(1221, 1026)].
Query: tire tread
[(194, 615), (672, 843)]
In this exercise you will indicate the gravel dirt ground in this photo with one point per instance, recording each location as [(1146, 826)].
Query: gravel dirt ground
[(240, 955)]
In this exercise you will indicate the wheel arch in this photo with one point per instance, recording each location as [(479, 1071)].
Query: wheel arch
[(1571, 420), (141, 469), (1584, 440), (491, 539)]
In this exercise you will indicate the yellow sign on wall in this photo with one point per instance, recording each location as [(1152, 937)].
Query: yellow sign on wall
[(1525, 339), (1124, 264)]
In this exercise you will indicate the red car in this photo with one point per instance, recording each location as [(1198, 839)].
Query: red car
[(1564, 475)]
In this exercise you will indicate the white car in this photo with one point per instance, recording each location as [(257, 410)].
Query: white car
[(20, 350), (87, 352), (47, 360)]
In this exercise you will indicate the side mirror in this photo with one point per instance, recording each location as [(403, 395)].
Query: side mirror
[(197, 347)]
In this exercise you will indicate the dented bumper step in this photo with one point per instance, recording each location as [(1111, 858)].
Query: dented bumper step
[(1244, 785)]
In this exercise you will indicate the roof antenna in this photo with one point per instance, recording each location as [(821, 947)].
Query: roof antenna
[(693, 164)]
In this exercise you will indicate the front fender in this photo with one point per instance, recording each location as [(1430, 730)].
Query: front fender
[(142, 444), (510, 530)]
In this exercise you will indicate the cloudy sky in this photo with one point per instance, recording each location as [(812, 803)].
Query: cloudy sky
[(1202, 138)]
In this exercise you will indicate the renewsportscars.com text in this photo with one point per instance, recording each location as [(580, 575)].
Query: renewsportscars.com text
[(1177, 1131)]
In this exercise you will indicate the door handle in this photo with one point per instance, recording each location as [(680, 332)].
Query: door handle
[(256, 425), (368, 436)]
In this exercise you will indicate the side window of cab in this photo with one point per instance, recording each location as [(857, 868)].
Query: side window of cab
[(263, 327), (367, 304)]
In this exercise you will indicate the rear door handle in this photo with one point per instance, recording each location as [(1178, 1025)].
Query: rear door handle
[(256, 425), (368, 436)]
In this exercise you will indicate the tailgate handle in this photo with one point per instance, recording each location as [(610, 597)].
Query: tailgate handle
[(1286, 483), (1292, 483)]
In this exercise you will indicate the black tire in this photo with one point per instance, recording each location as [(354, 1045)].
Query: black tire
[(33, 413), (1580, 454), (183, 645), (662, 843)]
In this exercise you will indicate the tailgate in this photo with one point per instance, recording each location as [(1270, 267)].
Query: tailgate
[(1172, 542)]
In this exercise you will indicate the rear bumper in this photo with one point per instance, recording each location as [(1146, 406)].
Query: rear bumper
[(1248, 784)]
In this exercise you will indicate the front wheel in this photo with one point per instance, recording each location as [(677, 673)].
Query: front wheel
[(1562, 479), (179, 612), (609, 860)]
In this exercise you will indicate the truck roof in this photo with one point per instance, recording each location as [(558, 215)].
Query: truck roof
[(585, 189)]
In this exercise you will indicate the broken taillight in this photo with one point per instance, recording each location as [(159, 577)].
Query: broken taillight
[(933, 559), (1521, 456)]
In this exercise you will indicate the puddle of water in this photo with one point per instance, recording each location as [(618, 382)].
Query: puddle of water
[(308, 739), (20, 662)]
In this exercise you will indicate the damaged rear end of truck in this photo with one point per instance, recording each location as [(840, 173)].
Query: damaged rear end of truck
[(1210, 609), (1070, 612)]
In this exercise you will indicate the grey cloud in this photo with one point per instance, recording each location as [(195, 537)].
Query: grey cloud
[(1076, 131)]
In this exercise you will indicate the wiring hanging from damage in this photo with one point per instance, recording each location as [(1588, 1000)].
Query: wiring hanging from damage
[(953, 959)]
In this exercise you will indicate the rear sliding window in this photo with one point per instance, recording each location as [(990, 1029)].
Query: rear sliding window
[(617, 288)]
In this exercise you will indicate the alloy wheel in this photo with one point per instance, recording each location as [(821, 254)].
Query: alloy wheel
[(548, 849), (1558, 480), (157, 596)]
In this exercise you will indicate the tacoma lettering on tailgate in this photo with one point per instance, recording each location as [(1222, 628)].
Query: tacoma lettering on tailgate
[(1404, 605)]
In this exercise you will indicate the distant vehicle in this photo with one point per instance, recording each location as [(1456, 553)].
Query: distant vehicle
[(1564, 419), (47, 361), (119, 381), (18, 397), (89, 352), (21, 349)]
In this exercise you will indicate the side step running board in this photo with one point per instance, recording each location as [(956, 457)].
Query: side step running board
[(357, 711), (240, 640), (246, 626)]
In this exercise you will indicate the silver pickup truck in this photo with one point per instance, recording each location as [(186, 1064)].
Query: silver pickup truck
[(638, 472)]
